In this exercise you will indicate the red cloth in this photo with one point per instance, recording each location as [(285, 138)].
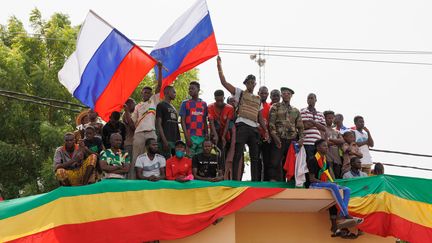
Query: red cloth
[(290, 160), (265, 114), (176, 167)]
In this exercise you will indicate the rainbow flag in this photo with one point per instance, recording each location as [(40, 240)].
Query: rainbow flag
[(393, 206), (126, 210)]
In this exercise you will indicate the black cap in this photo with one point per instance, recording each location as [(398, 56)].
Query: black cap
[(282, 89), (249, 77), (180, 142)]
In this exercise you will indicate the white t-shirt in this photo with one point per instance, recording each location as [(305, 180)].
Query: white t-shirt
[(150, 167), (349, 174), (363, 137), (248, 122)]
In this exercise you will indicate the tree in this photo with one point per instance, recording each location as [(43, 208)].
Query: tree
[(29, 64)]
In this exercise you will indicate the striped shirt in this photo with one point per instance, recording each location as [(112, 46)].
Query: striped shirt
[(144, 115), (312, 134)]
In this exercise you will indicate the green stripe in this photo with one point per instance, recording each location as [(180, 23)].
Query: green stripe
[(14, 207), (416, 189)]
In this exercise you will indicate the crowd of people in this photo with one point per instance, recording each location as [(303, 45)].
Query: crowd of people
[(145, 142)]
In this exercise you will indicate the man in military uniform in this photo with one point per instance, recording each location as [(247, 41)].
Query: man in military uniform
[(285, 126), (249, 118)]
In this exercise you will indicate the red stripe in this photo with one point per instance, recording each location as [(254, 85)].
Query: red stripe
[(201, 53), (385, 224), (129, 74), (148, 226)]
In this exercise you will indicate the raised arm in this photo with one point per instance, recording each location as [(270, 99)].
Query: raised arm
[(224, 83), (159, 81), (370, 141)]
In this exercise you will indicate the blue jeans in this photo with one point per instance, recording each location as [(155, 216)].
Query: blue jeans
[(334, 189)]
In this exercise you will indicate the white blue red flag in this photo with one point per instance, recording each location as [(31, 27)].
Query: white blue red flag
[(105, 68), (189, 42)]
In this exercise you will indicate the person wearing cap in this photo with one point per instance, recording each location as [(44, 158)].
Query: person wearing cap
[(179, 167), (249, 118), (80, 121), (285, 126), (94, 122)]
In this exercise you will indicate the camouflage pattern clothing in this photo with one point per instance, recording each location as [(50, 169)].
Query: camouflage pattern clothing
[(285, 121)]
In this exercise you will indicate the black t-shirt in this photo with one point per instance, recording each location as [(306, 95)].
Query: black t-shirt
[(313, 168), (109, 129), (169, 116), (207, 166), (94, 145)]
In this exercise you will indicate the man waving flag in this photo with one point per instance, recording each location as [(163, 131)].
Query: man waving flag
[(189, 42), (105, 68)]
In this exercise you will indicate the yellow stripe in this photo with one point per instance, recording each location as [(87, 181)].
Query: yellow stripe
[(88, 208), (414, 211)]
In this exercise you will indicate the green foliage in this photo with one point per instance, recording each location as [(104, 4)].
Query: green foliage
[(29, 63)]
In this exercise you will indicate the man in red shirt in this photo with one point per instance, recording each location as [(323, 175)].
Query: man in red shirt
[(179, 167), (220, 115)]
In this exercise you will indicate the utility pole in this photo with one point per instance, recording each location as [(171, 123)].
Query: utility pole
[(260, 60)]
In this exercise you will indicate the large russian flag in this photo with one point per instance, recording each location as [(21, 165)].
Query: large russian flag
[(189, 42), (105, 68)]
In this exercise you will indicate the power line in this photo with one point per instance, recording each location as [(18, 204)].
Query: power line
[(323, 51), (406, 166), (336, 58), (329, 49), (311, 47), (39, 103), (399, 152), (41, 98)]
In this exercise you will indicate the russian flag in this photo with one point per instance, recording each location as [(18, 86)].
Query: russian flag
[(189, 42), (105, 68)]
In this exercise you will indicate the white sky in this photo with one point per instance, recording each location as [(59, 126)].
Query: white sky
[(391, 97)]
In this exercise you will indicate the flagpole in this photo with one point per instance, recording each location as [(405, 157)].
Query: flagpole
[(100, 18)]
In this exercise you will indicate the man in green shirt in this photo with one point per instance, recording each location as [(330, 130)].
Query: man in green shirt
[(114, 161), (286, 126)]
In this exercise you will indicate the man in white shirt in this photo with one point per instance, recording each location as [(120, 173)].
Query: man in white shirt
[(151, 165), (364, 141)]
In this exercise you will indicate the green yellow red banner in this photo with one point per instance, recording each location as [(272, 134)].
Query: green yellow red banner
[(145, 210), (393, 206)]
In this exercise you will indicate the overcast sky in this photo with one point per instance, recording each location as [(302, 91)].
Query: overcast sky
[(394, 99)]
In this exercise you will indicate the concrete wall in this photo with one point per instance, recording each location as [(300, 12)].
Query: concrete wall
[(247, 227), (291, 227)]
